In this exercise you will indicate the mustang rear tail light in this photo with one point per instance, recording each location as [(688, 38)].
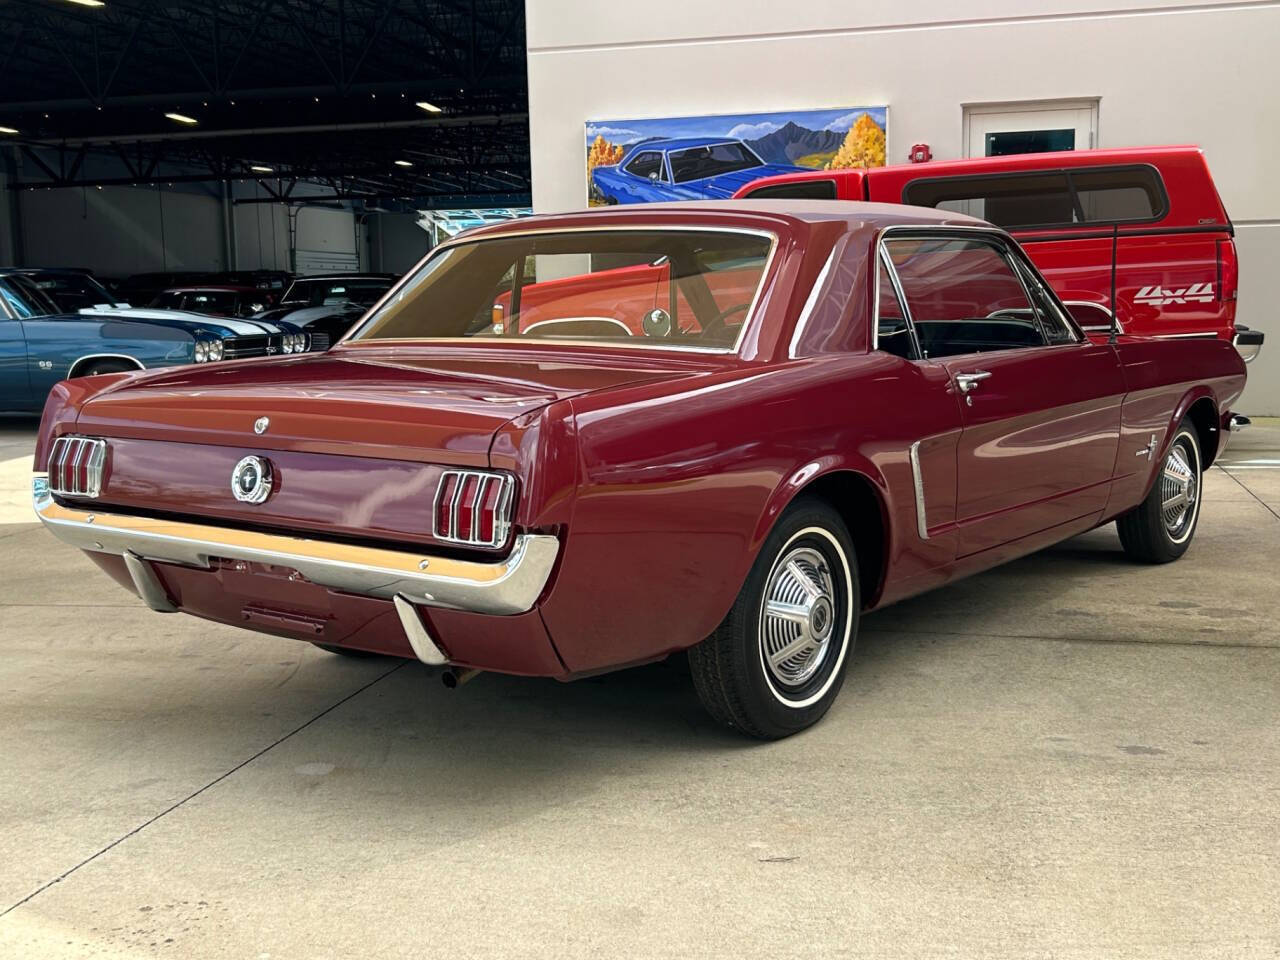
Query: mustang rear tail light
[(473, 507), (77, 465)]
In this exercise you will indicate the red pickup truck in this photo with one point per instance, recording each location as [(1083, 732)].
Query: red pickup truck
[(1176, 266)]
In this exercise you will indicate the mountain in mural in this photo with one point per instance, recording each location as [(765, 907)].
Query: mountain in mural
[(792, 143)]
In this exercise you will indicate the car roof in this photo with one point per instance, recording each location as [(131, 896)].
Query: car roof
[(344, 276), (747, 213), (684, 143), (62, 271), (210, 288)]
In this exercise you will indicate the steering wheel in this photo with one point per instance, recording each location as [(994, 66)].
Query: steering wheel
[(717, 323)]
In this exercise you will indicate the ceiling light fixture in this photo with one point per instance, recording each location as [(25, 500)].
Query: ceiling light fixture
[(259, 168), (181, 118), (7, 130), (88, 3), (403, 163), (429, 107)]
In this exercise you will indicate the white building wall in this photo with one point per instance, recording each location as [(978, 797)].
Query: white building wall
[(1168, 71)]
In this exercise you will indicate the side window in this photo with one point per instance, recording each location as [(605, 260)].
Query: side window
[(15, 304), (1049, 198), (892, 333), (646, 165), (1056, 327), (963, 296), (1129, 193), (796, 190), (1040, 199)]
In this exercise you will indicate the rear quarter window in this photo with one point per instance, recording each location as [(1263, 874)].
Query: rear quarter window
[(1050, 198)]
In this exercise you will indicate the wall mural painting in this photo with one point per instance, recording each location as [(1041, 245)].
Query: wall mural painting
[(701, 158)]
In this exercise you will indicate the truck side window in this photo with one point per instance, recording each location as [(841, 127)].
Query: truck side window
[(796, 190), (1049, 198), (1132, 193)]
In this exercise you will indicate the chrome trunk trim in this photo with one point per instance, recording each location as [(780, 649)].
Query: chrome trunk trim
[(502, 587)]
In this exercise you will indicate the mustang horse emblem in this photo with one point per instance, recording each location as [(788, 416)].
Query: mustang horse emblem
[(251, 480)]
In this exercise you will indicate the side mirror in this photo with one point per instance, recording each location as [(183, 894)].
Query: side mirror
[(653, 177), (1092, 317)]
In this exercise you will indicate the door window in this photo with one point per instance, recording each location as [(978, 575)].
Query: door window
[(893, 334), (963, 296)]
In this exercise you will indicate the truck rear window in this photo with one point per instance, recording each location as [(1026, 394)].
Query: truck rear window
[(1051, 198)]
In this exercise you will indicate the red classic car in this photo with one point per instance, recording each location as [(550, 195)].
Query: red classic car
[(897, 400)]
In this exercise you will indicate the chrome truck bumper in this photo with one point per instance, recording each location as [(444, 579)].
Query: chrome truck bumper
[(503, 587)]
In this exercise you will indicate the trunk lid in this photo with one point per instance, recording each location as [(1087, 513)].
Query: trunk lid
[(357, 439), (441, 406)]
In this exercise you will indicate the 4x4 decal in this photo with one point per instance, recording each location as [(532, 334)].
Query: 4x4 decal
[(1158, 296)]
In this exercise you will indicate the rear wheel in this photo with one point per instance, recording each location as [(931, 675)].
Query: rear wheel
[(1160, 528), (777, 662)]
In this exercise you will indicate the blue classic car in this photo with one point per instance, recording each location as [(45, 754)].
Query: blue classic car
[(698, 168), (42, 343)]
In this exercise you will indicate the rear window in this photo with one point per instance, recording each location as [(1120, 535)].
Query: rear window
[(642, 287), (1048, 199), (796, 190)]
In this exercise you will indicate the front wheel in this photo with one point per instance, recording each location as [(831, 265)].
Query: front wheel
[(777, 662), (1160, 528)]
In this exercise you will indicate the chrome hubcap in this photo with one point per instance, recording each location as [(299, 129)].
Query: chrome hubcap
[(1179, 487), (798, 617)]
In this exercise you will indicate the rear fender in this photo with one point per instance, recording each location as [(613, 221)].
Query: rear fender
[(1207, 454)]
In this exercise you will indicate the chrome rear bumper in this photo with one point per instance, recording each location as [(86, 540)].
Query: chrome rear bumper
[(501, 588)]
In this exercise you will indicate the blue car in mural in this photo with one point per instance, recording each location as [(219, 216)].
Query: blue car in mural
[(42, 343), (697, 168)]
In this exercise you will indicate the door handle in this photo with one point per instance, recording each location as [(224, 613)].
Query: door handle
[(969, 381)]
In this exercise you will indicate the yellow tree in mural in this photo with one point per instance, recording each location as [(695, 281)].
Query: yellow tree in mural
[(862, 147), (603, 154)]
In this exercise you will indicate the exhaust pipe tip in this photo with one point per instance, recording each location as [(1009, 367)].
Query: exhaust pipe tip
[(453, 677)]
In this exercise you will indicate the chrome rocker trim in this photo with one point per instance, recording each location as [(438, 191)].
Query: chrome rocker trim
[(501, 588)]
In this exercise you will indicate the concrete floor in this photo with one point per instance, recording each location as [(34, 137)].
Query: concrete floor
[(1071, 756)]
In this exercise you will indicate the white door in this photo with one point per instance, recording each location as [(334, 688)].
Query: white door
[(993, 130)]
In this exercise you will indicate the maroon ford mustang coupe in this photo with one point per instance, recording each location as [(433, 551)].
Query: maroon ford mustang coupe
[(745, 424)]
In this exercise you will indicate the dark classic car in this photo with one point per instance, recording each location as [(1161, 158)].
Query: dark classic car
[(898, 400), (42, 343), (71, 290), (693, 168), (325, 308), (214, 300)]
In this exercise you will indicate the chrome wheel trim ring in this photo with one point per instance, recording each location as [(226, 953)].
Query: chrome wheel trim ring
[(1180, 487), (817, 634)]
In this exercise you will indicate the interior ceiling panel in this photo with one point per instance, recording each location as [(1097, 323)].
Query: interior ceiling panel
[(316, 90)]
